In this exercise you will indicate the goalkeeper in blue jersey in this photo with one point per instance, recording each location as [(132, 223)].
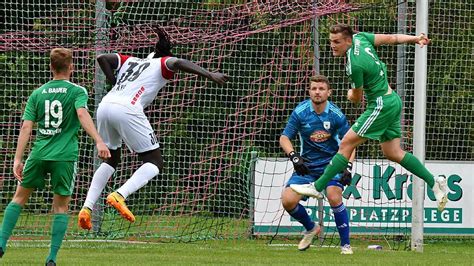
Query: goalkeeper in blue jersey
[(320, 125)]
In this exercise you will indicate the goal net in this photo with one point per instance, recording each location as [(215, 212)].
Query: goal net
[(214, 137)]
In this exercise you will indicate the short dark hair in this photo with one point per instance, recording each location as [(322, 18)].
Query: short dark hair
[(61, 59), (163, 46), (345, 29), (320, 78)]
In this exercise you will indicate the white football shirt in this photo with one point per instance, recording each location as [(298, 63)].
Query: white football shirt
[(138, 81)]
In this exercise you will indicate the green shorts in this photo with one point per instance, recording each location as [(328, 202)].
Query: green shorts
[(63, 175), (381, 119)]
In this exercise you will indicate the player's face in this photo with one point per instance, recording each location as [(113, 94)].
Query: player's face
[(319, 92), (340, 43)]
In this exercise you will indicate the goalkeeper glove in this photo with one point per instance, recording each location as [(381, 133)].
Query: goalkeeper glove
[(346, 176), (298, 163)]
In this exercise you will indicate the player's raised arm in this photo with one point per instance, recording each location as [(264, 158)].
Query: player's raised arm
[(187, 66), (108, 62), (393, 39)]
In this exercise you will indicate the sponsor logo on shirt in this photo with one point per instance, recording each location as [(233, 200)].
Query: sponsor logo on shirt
[(137, 95), (320, 136)]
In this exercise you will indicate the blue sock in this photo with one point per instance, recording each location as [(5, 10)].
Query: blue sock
[(300, 214), (342, 223)]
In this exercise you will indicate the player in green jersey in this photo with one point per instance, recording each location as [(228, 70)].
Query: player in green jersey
[(381, 119), (59, 108)]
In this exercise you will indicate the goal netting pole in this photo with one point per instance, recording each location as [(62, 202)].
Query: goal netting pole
[(419, 123)]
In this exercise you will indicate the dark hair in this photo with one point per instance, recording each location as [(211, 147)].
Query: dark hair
[(320, 78), (345, 29), (163, 46), (60, 58)]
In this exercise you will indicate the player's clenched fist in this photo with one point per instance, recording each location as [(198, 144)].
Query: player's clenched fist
[(103, 151), (423, 40)]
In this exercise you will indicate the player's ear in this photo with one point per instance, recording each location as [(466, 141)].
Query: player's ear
[(349, 40), (71, 67), (51, 68)]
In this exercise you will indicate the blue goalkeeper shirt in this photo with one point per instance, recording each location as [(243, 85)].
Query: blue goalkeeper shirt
[(320, 135)]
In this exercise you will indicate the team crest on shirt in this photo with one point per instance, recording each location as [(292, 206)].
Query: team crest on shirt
[(327, 125), (320, 136)]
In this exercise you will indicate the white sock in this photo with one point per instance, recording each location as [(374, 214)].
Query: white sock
[(99, 180), (143, 174)]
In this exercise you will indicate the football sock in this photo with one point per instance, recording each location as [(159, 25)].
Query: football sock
[(58, 230), (338, 164), (342, 223), (412, 164), (300, 214), (12, 212), (99, 180), (143, 174)]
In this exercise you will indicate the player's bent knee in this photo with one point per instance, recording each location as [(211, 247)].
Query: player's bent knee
[(289, 201), (61, 203), (334, 201), (393, 155), (334, 195), (288, 205), (22, 195), (153, 156), (346, 148)]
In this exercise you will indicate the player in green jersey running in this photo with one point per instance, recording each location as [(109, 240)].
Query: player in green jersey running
[(381, 119), (59, 108)]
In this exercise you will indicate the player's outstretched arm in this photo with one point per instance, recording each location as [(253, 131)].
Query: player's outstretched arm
[(108, 62), (381, 39), (187, 66), (23, 138), (88, 125)]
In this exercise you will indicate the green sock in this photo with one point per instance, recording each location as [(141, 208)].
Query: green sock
[(58, 230), (338, 164), (412, 164), (12, 212)]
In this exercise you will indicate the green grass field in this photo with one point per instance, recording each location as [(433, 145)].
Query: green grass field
[(233, 252)]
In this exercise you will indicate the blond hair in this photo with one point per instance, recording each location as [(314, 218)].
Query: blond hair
[(61, 59)]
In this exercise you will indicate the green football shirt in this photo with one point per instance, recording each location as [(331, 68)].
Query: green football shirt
[(364, 67), (53, 107)]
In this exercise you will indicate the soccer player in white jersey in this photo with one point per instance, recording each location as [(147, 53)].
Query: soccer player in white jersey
[(120, 116)]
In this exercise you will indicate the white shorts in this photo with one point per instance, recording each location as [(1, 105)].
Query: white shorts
[(116, 122)]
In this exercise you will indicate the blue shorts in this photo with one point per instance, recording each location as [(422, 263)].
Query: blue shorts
[(301, 180)]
